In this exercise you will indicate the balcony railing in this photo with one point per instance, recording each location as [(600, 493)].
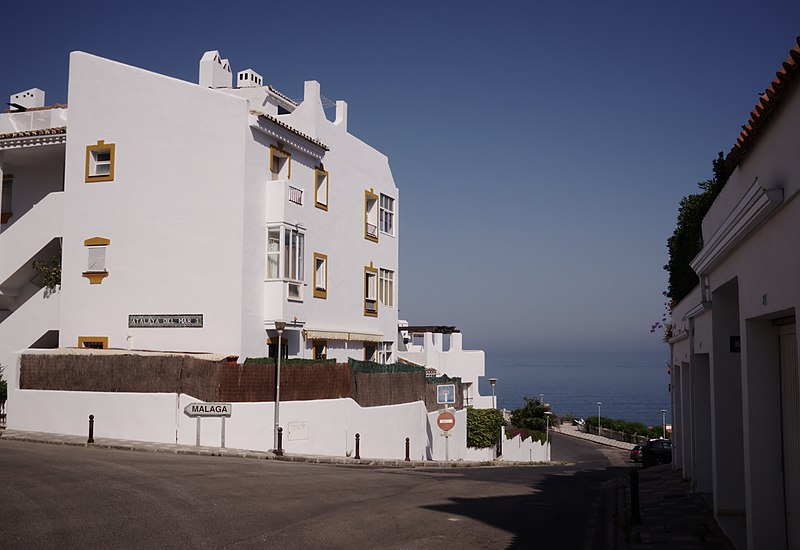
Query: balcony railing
[(295, 195), (372, 230)]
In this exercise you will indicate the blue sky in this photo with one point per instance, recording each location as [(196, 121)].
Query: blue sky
[(540, 149)]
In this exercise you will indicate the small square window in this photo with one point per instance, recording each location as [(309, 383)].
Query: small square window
[(93, 342), (100, 162)]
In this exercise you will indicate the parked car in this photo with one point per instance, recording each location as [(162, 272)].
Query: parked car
[(636, 453), (657, 451)]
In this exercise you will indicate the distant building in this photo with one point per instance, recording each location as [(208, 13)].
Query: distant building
[(735, 382), (193, 217)]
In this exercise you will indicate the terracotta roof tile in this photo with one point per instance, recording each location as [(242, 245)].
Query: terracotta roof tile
[(298, 133), (772, 98), (34, 133)]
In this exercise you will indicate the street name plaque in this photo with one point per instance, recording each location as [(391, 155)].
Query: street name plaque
[(176, 320)]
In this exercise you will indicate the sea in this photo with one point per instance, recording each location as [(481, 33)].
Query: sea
[(630, 386)]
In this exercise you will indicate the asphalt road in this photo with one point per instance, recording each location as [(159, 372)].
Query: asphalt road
[(74, 497)]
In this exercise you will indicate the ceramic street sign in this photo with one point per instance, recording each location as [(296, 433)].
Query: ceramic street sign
[(208, 409)]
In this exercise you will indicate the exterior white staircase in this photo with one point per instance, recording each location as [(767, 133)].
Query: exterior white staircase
[(28, 323), (28, 235)]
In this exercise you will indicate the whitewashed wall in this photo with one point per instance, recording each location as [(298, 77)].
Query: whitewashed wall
[(322, 427)]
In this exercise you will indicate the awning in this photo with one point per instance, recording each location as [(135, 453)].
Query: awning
[(342, 335)]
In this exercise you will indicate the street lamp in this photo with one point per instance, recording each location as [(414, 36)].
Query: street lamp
[(279, 326), (598, 417), (541, 398), (547, 415), (493, 381), (663, 423)]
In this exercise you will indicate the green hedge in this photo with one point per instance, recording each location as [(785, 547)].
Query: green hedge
[(483, 427), (372, 366)]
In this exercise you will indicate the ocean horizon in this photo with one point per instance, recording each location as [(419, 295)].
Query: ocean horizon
[(632, 386)]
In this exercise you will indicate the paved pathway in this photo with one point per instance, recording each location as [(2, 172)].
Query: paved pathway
[(569, 429)]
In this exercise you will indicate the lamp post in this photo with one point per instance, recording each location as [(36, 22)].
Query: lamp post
[(598, 417), (663, 423), (279, 326), (547, 416), (493, 381), (541, 398)]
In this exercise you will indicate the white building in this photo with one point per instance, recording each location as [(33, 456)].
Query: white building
[(192, 217), (735, 382)]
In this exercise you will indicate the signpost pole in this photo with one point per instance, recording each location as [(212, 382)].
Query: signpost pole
[(222, 433), (447, 446), (197, 439)]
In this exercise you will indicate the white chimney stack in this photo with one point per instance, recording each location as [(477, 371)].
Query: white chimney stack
[(29, 98), (215, 72)]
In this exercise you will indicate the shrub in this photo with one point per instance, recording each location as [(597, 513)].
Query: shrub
[(483, 427), (530, 415), (524, 434)]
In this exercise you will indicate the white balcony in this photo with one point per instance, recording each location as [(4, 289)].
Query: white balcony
[(284, 201), (32, 120)]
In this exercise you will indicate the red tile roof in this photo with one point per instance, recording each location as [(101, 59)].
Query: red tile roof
[(35, 133), (785, 80)]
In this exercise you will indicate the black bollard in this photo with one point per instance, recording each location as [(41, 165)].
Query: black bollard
[(358, 447), (279, 450), (91, 429), (635, 517), (408, 449)]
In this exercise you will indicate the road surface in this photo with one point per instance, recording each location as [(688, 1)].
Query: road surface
[(76, 497)]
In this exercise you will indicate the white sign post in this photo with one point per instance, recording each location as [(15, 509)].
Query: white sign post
[(446, 422), (217, 410)]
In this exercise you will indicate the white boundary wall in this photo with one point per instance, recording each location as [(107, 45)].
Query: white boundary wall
[(322, 427)]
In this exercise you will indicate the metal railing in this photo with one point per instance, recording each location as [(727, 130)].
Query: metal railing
[(372, 230), (295, 195)]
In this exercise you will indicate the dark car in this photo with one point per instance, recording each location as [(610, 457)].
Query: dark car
[(636, 453), (657, 451)]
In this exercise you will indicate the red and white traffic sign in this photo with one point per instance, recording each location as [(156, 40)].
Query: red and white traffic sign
[(446, 421)]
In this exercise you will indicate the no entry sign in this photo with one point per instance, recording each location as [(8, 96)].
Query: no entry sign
[(446, 421)]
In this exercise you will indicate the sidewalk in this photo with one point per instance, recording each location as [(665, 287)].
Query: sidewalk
[(671, 516)]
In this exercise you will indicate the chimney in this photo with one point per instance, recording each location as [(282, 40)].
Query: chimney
[(215, 72), (248, 79), (29, 98)]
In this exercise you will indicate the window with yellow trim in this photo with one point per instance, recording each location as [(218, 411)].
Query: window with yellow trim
[(370, 291), (100, 159), (280, 163), (321, 188), (370, 216), (93, 342), (320, 275), (96, 259)]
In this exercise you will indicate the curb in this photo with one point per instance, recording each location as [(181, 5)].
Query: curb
[(144, 446)]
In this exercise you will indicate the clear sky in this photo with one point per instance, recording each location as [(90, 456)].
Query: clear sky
[(540, 148)]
